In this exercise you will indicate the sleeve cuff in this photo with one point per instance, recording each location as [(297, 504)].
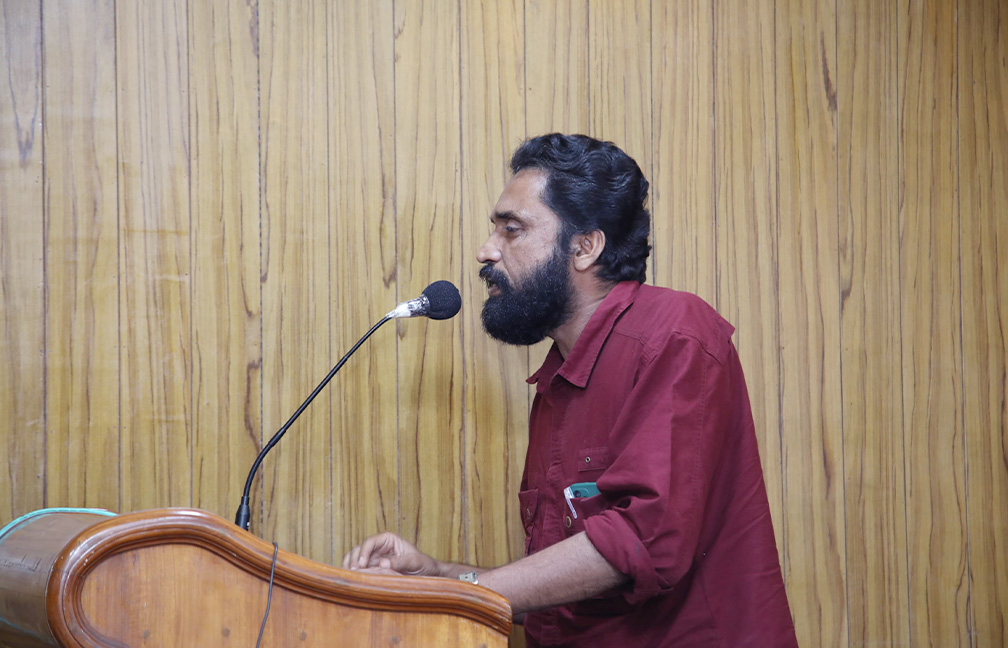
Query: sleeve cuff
[(618, 544)]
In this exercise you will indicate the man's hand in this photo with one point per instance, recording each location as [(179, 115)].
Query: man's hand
[(387, 552)]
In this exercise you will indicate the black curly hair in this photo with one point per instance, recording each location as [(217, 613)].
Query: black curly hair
[(594, 185)]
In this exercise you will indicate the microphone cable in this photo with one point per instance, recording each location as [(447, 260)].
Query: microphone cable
[(269, 595)]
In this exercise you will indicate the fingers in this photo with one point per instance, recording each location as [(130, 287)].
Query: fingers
[(367, 550), (351, 556), (370, 552), (351, 559), (390, 552), (379, 571), (354, 560)]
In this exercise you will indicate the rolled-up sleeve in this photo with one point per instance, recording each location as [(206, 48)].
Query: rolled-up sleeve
[(663, 451)]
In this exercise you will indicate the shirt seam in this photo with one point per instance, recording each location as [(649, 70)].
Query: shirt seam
[(650, 345)]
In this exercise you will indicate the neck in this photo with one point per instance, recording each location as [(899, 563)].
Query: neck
[(586, 302)]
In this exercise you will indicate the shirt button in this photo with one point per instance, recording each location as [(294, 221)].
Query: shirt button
[(587, 459), (528, 514), (567, 521)]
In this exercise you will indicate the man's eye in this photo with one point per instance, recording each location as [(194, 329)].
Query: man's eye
[(510, 229)]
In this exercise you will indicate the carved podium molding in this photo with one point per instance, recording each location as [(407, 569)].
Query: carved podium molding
[(182, 577)]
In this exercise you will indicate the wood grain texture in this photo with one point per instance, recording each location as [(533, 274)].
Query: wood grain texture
[(297, 348), (682, 184), (133, 560), (496, 402), (22, 279), (811, 406), (557, 84), (874, 486), (983, 203), (428, 229), (223, 196), (363, 268), (222, 613), (745, 185), (82, 286), (931, 325), (226, 295), (154, 249), (619, 69), (556, 73)]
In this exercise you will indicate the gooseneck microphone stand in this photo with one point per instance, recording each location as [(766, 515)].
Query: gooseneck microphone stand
[(244, 513)]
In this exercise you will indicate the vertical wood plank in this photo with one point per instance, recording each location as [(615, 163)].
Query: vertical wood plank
[(983, 200), (619, 68), (82, 274), (155, 309), (931, 325), (811, 407), (362, 195), (556, 96), (874, 491), (428, 234), (495, 396), (682, 186), (22, 340), (745, 185), (330, 112), (297, 349), (556, 84), (226, 298)]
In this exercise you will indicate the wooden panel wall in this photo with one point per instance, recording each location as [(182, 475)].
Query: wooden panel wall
[(22, 262), (871, 346), (82, 255), (982, 64), (204, 204)]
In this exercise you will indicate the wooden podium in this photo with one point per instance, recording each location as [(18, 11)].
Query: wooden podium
[(187, 578)]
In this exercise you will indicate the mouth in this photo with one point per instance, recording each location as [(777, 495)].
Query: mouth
[(493, 288)]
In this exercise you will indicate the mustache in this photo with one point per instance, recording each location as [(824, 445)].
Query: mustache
[(492, 276)]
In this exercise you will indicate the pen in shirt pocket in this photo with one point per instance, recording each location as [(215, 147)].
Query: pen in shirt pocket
[(568, 494), (580, 489)]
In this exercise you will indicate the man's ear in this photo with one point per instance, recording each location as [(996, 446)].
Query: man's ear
[(587, 249)]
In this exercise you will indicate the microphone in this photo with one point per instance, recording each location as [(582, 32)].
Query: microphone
[(439, 301)]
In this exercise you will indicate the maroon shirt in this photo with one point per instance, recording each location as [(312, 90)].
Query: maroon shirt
[(651, 405)]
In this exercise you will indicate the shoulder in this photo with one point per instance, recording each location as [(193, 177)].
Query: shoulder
[(658, 316)]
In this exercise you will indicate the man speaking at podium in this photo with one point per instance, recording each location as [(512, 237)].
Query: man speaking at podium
[(645, 512)]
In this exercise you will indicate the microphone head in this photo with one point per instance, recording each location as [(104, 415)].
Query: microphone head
[(444, 300)]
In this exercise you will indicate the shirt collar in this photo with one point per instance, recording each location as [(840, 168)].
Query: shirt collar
[(577, 367)]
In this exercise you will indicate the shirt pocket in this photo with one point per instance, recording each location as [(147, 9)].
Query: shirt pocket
[(591, 460), (528, 505), (585, 507)]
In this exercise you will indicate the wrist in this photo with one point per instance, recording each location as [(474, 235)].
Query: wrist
[(454, 570), (444, 570)]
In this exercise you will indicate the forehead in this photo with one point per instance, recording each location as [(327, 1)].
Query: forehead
[(522, 199)]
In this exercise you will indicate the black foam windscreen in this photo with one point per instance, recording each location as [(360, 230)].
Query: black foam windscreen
[(444, 300)]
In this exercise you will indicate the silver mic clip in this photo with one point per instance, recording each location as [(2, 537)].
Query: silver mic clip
[(418, 307)]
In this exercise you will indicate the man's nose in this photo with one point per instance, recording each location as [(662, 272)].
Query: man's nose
[(488, 252)]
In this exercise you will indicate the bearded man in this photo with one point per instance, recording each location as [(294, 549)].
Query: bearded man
[(645, 511)]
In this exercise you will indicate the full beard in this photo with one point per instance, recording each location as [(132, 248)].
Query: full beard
[(526, 314)]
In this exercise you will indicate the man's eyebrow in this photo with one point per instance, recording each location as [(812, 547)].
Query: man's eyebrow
[(505, 215)]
